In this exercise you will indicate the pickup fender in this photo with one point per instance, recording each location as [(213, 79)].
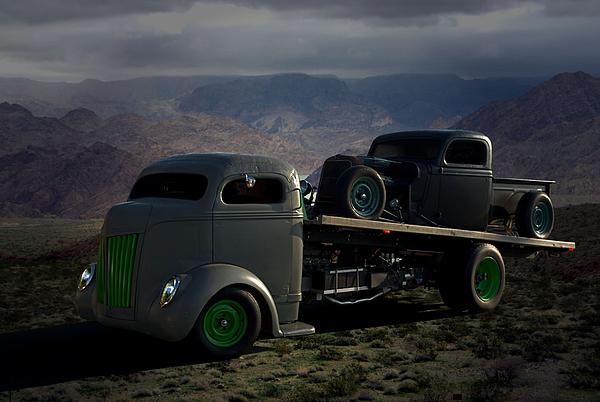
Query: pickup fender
[(175, 321)]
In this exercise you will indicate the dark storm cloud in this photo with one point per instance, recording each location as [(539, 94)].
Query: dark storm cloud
[(73, 39), (410, 11), (44, 11)]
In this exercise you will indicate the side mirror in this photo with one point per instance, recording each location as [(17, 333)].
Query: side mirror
[(305, 188)]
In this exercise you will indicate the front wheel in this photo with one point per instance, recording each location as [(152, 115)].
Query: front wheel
[(229, 323)]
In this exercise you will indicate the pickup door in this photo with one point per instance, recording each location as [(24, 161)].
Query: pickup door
[(465, 184)]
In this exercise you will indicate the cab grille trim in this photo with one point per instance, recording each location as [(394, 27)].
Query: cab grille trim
[(115, 270)]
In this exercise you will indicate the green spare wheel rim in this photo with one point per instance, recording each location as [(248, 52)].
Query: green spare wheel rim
[(365, 196), (541, 218), (487, 279), (225, 323)]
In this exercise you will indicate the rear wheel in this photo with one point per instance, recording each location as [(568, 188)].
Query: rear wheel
[(473, 281), (361, 193), (535, 215), (229, 323)]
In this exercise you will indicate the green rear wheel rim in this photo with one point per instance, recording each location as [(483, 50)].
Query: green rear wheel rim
[(365, 196), (487, 279), (225, 323), (541, 218)]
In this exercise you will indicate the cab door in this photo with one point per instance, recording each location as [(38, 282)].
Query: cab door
[(257, 225), (465, 184)]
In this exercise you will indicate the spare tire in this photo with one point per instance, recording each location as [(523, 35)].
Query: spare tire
[(535, 215), (360, 193)]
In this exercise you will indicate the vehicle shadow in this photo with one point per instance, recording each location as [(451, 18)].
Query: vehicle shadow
[(71, 352)]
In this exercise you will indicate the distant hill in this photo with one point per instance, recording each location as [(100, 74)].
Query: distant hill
[(149, 96), (47, 167), (317, 112), (20, 128), (82, 119), (551, 132), (429, 100)]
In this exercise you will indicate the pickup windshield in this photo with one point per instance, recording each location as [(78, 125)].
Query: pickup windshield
[(170, 185), (408, 148)]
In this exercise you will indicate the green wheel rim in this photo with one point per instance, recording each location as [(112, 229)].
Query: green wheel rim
[(541, 218), (365, 197), (225, 323), (487, 279)]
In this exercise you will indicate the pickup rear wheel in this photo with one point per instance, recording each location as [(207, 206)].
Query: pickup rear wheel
[(535, 215), (229, 323), (361, 193), (479, 285)]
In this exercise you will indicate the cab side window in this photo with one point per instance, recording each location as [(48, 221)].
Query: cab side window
[(467, 152), (264, 191)]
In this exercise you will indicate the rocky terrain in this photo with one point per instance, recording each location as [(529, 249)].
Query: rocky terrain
[(80, 164), (551, 132)]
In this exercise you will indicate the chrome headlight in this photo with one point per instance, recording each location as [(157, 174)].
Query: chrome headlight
[(86, 276), (169, 290)]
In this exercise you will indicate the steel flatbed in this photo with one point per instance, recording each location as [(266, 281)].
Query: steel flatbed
[(502, 241)]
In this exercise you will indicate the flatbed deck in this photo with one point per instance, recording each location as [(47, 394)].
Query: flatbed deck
[(445, 233)]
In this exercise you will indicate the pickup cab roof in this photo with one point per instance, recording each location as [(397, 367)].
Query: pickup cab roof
[(438, 140)]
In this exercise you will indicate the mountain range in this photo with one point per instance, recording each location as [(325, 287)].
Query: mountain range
[(551, 132), (79, 162)]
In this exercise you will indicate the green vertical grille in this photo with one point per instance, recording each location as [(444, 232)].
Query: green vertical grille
[(115, 270), (100, 271)]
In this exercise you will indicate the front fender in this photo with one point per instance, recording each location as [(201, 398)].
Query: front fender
[(175, 321)]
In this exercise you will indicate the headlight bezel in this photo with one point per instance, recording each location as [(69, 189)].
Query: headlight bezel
[(169, 291), (87, 277)]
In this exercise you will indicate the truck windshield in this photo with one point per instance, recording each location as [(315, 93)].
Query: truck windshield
[(410, 148), (182, 186)]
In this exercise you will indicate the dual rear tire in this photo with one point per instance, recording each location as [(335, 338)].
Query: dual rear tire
[(472, 280)]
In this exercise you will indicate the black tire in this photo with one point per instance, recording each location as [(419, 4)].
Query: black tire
[(475, 280), (361, 193), (229, 323), (535, 215)]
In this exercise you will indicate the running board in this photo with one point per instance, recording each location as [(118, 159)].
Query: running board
[(297, 328)]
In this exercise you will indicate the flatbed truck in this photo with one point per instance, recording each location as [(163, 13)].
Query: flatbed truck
[(217, 248)]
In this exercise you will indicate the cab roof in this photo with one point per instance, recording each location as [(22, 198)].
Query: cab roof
[(443, 135), (219, 164)]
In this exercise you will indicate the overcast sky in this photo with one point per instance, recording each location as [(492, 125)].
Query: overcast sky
[(70, 40)]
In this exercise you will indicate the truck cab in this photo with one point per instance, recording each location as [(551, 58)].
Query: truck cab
[(455, 184), (193, 226)]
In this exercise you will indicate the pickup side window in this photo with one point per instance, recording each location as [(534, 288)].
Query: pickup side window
[(265, 191), (466, 152), (182, 186)]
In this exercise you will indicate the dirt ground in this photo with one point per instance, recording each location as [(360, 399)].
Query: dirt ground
[(541, 344)]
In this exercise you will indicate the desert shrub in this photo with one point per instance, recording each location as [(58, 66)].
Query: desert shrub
[(345, 381), (370, 335), (391, 357), (272, 390), (426, 349), (488, 346), (586, 374), (540, 346), (437, 389), (401, 330), (496, 382), (283, 347), (329, 353)]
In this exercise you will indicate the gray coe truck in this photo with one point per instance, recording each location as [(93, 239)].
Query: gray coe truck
[(217, 248)]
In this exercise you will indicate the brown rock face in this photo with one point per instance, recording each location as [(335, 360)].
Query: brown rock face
[(551, 132)]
